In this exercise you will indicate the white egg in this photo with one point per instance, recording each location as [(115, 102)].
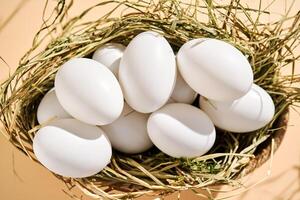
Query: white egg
[(128, 134), (72, 148), (182, 92), (251, 112), (89, 91), (50, 108), (147, 72), (181, 130), (110, 55), (215, 69)]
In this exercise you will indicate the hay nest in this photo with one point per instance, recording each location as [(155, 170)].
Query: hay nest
[(268, 46)]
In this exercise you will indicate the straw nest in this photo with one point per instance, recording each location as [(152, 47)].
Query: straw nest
[(268, 46)]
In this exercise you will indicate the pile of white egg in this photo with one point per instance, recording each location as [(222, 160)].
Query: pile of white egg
[(84, 116)]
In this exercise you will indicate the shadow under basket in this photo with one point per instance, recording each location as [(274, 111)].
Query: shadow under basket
[(152, 172)]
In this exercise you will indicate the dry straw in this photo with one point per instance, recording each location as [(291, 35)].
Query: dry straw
[(269, 47)]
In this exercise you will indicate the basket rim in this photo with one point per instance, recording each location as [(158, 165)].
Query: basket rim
[(266, 149)]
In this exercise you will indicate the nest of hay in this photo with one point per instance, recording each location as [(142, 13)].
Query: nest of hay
[(268, 46)]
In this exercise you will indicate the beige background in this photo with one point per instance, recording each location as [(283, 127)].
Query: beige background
[(22, 179)]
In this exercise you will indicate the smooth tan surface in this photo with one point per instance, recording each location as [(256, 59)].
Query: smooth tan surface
[(22, 179)]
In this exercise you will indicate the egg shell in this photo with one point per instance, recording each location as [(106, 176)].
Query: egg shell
[(50, 108), (128, 133), (110, 55), (251, 112), (147, 72), (215, 69), (181, 130), (182, 92), (72, 148), (89, 91)]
